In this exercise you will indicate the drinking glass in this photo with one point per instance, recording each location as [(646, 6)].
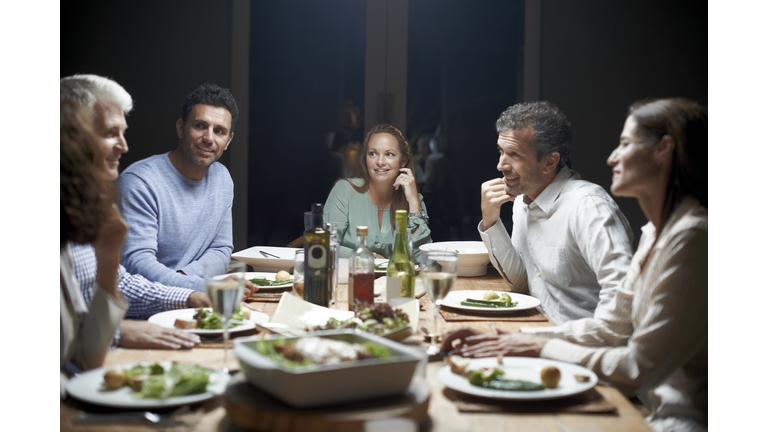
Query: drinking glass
[(226, 292), (298, 274), (438, 272)]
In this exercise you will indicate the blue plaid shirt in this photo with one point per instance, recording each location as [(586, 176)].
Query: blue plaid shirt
[(145, 298)]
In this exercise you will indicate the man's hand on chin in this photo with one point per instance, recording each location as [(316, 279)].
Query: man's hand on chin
[(492, 197), (142, 334)]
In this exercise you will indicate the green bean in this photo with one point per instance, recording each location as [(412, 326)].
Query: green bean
[(519, 385)]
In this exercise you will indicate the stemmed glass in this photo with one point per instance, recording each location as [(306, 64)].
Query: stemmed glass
[(439, 269), (226, 292)]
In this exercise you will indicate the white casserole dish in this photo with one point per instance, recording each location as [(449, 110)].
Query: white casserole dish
[(305, 387)]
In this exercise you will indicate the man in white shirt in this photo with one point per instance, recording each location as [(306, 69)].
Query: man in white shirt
[(570, 243)]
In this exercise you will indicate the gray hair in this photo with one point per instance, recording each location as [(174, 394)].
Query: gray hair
[(552, 131), (85, 90)]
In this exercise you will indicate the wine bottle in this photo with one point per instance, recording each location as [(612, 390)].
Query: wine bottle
[(317, 260), (400, 263), (360, 271)]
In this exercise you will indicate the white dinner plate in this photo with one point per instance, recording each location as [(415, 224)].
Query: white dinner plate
[(269, 276), (168, 318), (89, 387), (525, 368), (454, 299)]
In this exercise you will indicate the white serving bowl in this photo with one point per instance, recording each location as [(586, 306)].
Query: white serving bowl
[(253, 257), (473, 255), (305, 387)]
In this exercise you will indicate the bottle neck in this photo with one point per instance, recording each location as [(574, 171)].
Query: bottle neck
[(362, 241), (402, 227)]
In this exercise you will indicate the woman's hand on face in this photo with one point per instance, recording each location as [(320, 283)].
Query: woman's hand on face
[(108, 247), (407, 181), (109, 243), (506, 344)]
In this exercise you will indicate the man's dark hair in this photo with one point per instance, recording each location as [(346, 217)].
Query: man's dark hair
[(211, 94), (552, 131)]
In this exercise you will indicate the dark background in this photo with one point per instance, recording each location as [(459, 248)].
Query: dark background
[(465, 67)]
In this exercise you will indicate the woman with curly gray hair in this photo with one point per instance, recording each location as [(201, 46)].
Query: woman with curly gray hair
[(87, 216)]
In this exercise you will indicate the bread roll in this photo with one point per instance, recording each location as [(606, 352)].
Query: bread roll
[(185, 323)]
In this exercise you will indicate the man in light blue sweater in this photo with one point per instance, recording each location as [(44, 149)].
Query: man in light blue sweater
[(179, 204)]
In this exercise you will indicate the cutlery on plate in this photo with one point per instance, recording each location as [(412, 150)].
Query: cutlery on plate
[(128, 417), (253, 308), (269, 255)]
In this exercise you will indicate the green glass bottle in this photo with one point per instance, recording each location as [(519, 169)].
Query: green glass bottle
[(317, 260), (400, 263)]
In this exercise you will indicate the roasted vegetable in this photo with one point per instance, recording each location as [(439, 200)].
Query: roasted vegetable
[(263, 281), (504, 301), (491, 378)]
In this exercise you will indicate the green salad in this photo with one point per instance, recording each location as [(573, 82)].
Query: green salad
[(154, 382), (312, 351), (207, 319), (377, 318)]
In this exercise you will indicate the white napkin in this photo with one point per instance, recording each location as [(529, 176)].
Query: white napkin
[(380, 288)]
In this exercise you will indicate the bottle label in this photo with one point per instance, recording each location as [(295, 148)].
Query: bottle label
[(316, 256), (393, 287)]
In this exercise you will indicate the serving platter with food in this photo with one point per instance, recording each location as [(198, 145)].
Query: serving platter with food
[(489, 301), (300, 371), (515, 378), (147, 385), (205, 322)]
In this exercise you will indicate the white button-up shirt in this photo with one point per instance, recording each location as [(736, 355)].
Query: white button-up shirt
[(569, 248), (653, 335)]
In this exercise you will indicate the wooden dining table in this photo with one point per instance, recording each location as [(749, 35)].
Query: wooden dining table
[(447, 410)]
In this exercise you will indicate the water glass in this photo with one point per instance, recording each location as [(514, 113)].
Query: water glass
[(438, 271), (298, 274), (225, 291)]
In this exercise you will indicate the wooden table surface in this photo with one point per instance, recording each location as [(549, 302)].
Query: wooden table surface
[(443, 414)]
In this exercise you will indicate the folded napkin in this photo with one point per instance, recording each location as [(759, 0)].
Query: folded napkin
[(590, 401), (527, 315), (380, 288), (271, 296)]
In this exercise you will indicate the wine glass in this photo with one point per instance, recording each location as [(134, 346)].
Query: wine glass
[(439, 269), (226, 292)]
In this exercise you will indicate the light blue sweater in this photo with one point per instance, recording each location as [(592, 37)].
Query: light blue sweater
[(176, 223)]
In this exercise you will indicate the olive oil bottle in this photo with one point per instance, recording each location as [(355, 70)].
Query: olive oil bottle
[(400, 263), (317, 260)]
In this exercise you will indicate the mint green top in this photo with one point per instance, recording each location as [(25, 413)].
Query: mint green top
[(349, 209)]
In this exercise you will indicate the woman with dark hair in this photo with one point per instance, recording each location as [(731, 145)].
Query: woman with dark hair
[(381, 183), (653, 341), (87, 216)]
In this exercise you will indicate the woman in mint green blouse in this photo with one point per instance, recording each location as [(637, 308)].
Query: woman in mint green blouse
[(381, 183)]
